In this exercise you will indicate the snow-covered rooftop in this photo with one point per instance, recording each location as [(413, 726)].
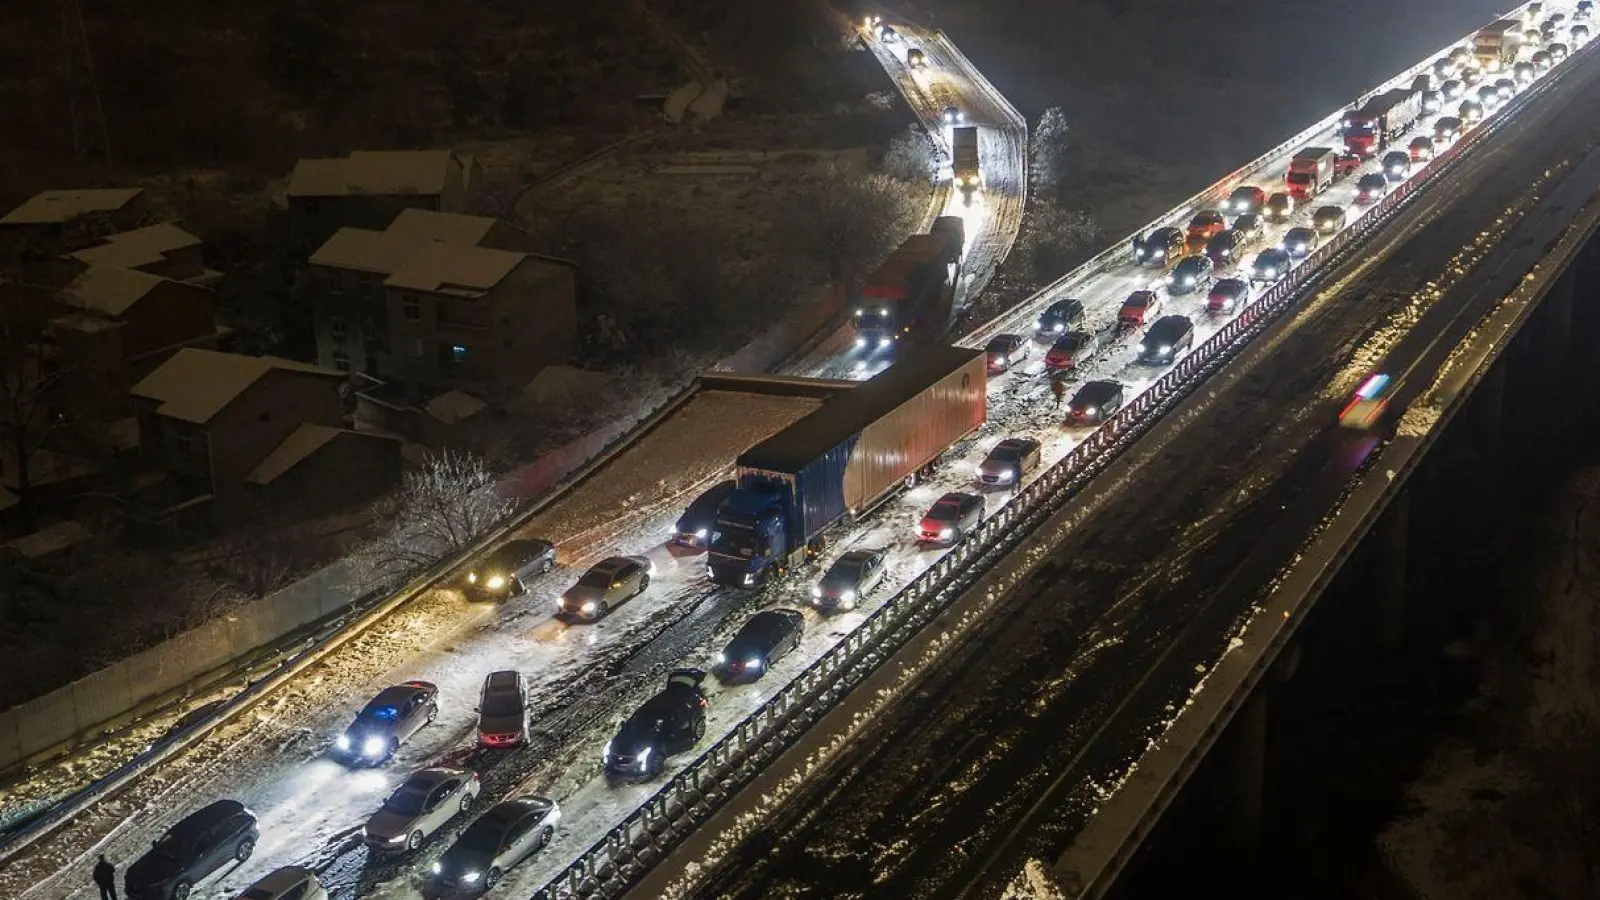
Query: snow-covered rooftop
[(139, 247), (108, 290), (441, 267), (379, 172), (389, 250), (56, 207), (296, 448), (194, 385)]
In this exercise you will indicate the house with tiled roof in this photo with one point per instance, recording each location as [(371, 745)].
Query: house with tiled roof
[(163, 249), (227, 426), (368, 188)]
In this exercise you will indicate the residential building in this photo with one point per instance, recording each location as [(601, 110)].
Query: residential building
[(163, 249), (58, 208), (368, 188), (114, 326), (441, 301), (227, 426)]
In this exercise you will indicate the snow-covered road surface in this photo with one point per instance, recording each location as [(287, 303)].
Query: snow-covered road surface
[(587, 676)]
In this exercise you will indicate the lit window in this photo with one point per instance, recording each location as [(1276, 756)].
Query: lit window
[(458, 353)]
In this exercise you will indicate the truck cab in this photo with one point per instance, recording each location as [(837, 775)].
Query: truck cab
[(749, 541), (668, 723)]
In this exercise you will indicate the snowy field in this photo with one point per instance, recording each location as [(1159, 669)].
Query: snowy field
[(584, 677)]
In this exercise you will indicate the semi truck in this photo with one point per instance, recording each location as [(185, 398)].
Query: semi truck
[(1311, 170), (1383, 118), (842, 460), (1495, 47), (911, 295), (964, 150)]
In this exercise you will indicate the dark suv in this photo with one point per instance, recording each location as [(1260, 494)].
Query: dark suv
[(1167, 339), (670, 722), (200, 844), (504, 572), (694, 526)]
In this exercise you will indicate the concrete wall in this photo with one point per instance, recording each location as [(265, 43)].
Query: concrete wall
[(71, 714)]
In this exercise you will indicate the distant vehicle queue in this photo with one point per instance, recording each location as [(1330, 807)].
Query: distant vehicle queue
[(790, 491)]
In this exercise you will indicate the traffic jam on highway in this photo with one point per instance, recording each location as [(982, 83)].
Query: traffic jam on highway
[(822, 521)]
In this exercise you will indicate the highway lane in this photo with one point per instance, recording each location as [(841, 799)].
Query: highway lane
[(1013, 746), (992, 217), (311, 808)]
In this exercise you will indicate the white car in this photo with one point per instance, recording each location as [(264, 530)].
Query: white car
[(419, 808), (287, 883), (510, 832)]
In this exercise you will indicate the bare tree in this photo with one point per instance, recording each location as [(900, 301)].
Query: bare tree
[(909, 156), (1047, 152), (846, 220), (29, 413), (440, 509)]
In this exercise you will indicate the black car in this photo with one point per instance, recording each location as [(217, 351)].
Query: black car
[(505, 571), (1396, 165), (694, 526), (1166, 340), (767, 637), (1195, 273), (668, 723), (1159, 248), (1298, 242), (1248, 229), (1095, 402), (1221, 247), (1371, 188), (1058, 318), (200, 844), (851, 577), (1270, 265), (1452, 89), (1008, 462)]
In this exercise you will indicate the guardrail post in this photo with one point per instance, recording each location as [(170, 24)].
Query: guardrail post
[(1394, 550)]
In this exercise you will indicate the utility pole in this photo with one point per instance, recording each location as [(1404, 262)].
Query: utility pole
[(86, 117)]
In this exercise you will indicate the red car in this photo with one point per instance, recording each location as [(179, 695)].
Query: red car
[(1345, 164), (1139, 307), (1069, 350), (1206, 224), (1228, 295)]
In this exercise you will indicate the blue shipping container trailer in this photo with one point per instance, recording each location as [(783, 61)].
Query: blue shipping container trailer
[(843, 460)]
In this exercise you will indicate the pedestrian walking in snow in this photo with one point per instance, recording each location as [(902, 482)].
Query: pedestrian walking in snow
[(105, 877), (1058, 386)]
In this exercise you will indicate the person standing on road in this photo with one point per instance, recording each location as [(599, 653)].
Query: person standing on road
[(1058, 386), (105, 877)]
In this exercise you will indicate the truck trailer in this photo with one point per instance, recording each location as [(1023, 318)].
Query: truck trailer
[(1383, 118), (1495, 47), (964, 150), (1311, 170), (911, 295), (843, 460)]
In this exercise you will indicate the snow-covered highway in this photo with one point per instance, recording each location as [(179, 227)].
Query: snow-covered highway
[(585, 677)]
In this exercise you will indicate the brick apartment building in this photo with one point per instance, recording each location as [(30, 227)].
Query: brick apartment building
[(441, 301)]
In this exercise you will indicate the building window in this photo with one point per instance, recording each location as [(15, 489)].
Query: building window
[(336, 328), (414, 348), (333, 282), (341, 360), (413, 308), (459, 353), (188, 444)]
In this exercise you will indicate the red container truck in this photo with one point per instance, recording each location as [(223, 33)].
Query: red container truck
[(910, 296), (1311, 170), (1383, 118)]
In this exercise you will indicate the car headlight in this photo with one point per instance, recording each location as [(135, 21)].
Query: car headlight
[(860, 341), (1189, 280), (722, 659), (848, 597), (946, 533), (883, 342), (816, 592), (588, 607), (1165, 349), (701, 533), (343, 743), (753, 662), (496, 582), (1088, 410), (1143, 348), (606, 752), (561, 604), (644, 755), (372, 746), (1300, 248), (1270, 272), (472, 578), (435, 868), (470, 877), (749, 579), (1005, 475), (1061, 326)]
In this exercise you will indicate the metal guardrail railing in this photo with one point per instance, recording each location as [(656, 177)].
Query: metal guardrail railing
[(610, 865), (1118, 253)]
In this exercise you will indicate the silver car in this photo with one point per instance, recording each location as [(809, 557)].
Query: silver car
[(610, 582), (1008, 462), (510, 832), (387, 721), (851, 577), (419, 808)]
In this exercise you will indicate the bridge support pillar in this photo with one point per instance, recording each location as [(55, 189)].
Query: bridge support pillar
[(1247, 780), (1558, 321), (1393, 549)]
